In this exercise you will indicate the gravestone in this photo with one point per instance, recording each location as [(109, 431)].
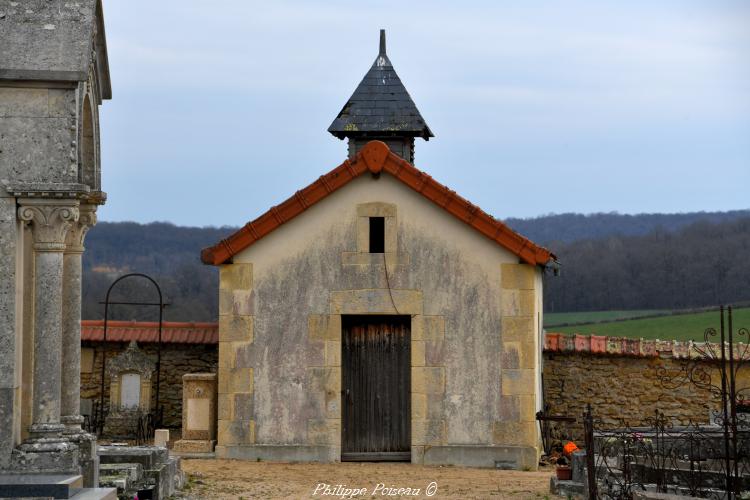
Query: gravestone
[(198, 414), (161, 437), (129, 391)]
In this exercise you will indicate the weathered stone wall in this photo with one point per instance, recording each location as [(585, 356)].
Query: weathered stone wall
[(37, 144), (9, 338), (52, 37), (38, 134), (622, 379), (53, 76), (474, 388), (619, 389), (176, 360)]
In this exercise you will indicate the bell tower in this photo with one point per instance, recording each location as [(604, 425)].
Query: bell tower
[(381, 109)]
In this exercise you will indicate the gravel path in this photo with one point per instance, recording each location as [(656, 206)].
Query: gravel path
[(234, 479)]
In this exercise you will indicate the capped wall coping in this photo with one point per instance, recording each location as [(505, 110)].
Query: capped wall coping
[(553, 342), (198, 376), (173, 332), (602, 345)]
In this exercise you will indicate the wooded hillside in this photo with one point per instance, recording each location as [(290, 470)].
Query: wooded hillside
[(169, 253), (571, 227), (700, 265), (609, 261)]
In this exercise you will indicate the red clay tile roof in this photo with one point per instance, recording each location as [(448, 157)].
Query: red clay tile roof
[(376, 157), (143, 331)]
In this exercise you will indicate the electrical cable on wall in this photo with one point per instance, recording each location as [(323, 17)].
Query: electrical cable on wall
[(388, 283)]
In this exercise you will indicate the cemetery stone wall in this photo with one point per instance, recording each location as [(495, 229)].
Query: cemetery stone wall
[(620, 378), (176, 361)]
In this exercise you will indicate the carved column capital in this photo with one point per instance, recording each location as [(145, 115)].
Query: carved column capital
[(50, 221), (77, 232)]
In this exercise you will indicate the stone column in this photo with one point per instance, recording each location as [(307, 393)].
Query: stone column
[(71, 318), (50, 220)]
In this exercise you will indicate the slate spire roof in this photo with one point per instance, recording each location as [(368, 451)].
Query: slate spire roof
[(380, 106)]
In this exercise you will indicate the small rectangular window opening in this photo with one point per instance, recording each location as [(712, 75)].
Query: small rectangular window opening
[(377, 234)]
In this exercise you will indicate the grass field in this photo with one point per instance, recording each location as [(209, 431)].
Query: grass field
[(552, 319), (678, 327)]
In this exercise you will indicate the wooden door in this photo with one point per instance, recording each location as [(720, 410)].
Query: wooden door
[(376, 388)]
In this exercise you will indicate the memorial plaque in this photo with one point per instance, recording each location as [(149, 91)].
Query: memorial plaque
[(198, 414), (130, 390)]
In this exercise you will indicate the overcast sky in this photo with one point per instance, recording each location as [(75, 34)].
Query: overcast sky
[(220, 109)]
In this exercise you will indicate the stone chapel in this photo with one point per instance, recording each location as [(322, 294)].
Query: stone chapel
[(54, 75), (377, 315)]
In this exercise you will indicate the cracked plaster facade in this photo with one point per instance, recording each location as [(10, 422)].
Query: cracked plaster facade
[(475, 341)]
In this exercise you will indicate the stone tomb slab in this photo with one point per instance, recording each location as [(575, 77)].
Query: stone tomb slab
[(159, 468), (147, 456), (96, 494), (39, 485), (166, 478), (134, 472)]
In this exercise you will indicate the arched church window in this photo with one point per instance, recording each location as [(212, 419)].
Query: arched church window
[(87, 168)]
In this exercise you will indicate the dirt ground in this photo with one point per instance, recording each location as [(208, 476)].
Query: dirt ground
[(225, 479)]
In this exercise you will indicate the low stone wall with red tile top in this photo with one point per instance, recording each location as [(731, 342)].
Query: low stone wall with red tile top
[(622, 378)]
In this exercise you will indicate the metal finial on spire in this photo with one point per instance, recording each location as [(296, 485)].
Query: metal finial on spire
[(380, 107)]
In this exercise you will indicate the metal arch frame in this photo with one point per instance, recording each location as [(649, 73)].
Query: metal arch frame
[(161, 304)]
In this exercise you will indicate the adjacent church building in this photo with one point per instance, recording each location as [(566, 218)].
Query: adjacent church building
[(377, 315), (54, 75)]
